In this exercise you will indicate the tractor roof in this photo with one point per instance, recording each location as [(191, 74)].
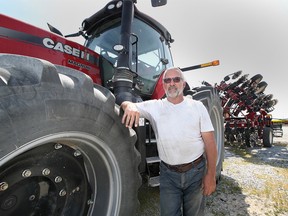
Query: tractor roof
[(106, 14)]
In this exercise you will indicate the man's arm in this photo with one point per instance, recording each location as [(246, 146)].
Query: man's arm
[(131, 114), (209, 181)]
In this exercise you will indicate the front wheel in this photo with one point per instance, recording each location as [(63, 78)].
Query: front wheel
[(63, 148)]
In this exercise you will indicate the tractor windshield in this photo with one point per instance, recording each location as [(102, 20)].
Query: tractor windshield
[(150, 52)]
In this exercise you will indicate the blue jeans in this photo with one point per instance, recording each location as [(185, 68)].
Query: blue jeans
[(182, 192)]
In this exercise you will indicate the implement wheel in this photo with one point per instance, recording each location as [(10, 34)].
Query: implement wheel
[(267, 137)]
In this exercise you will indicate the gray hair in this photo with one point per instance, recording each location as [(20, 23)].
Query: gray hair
[(175, 69)]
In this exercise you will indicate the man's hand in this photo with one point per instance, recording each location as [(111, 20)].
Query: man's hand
[(131, 114), (209, 184), (209, 180)]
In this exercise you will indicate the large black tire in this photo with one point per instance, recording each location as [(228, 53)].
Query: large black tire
[(267, 137), (63, 149), (210, 98)]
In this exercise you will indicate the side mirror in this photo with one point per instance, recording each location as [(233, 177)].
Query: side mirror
[(54, 30), (158, 3)]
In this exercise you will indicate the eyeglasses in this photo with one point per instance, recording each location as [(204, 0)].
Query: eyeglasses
[(169, 80)]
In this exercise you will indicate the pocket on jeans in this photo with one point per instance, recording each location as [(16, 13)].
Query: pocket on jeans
[(201, 166), (163, 168)]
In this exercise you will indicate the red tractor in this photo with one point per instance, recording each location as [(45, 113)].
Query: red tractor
[(63, 148)]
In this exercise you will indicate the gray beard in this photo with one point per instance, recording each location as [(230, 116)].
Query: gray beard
[(173, 94)]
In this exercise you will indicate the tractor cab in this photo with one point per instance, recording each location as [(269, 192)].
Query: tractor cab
[(148, 52)]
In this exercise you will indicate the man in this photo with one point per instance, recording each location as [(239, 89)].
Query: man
[(184, 134)]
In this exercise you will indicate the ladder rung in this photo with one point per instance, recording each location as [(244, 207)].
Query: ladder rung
[(150, 160), (154, 181), (151, 141)]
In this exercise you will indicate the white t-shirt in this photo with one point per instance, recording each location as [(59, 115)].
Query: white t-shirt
[(177, 128)]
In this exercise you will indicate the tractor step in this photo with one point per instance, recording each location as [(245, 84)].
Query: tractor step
[(151, 160), (153, 171), (154, 181), (151, 141)]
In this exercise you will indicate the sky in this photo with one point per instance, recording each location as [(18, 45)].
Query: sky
[(246, 35)]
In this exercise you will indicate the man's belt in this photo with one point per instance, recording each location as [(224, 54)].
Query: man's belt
[(180, 168)]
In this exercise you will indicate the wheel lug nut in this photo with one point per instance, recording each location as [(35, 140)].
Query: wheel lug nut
[(3, 186), (76, 189), (77, 153), (32, 197), (26, 173), (58, 179), (45, 172), (62, 192), (57, 146)]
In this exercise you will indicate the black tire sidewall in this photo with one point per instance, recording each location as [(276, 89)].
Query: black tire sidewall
[(37, 110), (210, 98)]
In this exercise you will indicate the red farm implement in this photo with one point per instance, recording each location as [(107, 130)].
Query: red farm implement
[(245, 109)]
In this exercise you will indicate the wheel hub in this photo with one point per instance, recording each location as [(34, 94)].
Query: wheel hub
[(47, 180)]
